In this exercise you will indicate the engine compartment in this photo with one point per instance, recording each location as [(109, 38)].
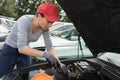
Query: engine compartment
[(86, 69), (79, 70)]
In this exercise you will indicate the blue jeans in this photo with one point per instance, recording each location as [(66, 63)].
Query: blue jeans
[(9, 57)]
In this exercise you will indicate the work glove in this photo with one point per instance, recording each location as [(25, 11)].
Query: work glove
[(56, 63), (53, 61), (62, 67), (64, 70)]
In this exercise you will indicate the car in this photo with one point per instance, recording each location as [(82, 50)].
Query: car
[(8, 23), (6, 17), (3, 35), (59, 27), (65, 41), (97, 21), (5, 28)]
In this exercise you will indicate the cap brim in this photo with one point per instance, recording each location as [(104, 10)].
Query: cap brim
[(52, 18)]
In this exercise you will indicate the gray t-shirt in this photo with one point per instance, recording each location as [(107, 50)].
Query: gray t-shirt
[(21, 34)]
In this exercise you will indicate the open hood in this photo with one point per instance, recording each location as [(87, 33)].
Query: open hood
[(97, 21)]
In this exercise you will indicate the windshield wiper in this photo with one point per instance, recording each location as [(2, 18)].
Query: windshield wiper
[(113, 62), (109, 60)]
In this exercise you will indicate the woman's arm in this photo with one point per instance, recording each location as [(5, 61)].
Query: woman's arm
[(30, 51), (53, 52), (48, 43)]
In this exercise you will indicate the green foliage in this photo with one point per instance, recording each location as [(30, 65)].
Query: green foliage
[(17, 8), (27, 6), (8, 8)]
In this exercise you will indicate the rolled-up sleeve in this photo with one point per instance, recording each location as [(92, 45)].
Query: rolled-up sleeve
[(22, 34), (47, 40)]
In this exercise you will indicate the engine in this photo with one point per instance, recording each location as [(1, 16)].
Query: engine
[(79, 70), (90, 69)]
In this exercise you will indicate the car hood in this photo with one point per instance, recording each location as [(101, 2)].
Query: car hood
[(3, 29), (97, 21), (57, 42)]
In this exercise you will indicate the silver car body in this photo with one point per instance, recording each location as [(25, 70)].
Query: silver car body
[(5, 28), (63, 46)]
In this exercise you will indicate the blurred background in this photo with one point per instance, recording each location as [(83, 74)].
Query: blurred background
[(17, 8), (66, 40)]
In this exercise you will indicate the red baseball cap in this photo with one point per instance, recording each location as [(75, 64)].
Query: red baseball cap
[(49, 10)]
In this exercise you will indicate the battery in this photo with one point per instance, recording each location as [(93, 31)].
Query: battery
[(87, 72)]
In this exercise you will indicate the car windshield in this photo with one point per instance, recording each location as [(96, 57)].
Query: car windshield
[(69, 33), (58, 28)]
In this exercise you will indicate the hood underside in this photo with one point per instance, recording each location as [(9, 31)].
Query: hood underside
[(97, 21)]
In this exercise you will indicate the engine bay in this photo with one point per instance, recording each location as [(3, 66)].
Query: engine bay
[(83, 69), (92, 69), (79, 70)]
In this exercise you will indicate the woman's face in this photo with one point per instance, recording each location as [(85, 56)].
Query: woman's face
[(44, 23)]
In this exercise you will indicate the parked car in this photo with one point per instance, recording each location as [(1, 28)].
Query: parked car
[(5, 28), (59, 27), (3, 35), (8, 23), (65, 41), (98, 22), (6, 17)]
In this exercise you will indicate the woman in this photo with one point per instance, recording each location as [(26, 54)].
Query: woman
[(28, 29)]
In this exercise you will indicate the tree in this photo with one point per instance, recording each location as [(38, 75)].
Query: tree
[(27, 6), (8, 8), (17, 8)]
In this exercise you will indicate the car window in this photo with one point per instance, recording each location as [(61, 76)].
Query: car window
[(62, 30), (7, 23), (66, 33), (70, 34), (74, 32), (65, 27)]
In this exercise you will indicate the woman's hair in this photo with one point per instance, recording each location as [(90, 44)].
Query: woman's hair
[(40, 14)]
